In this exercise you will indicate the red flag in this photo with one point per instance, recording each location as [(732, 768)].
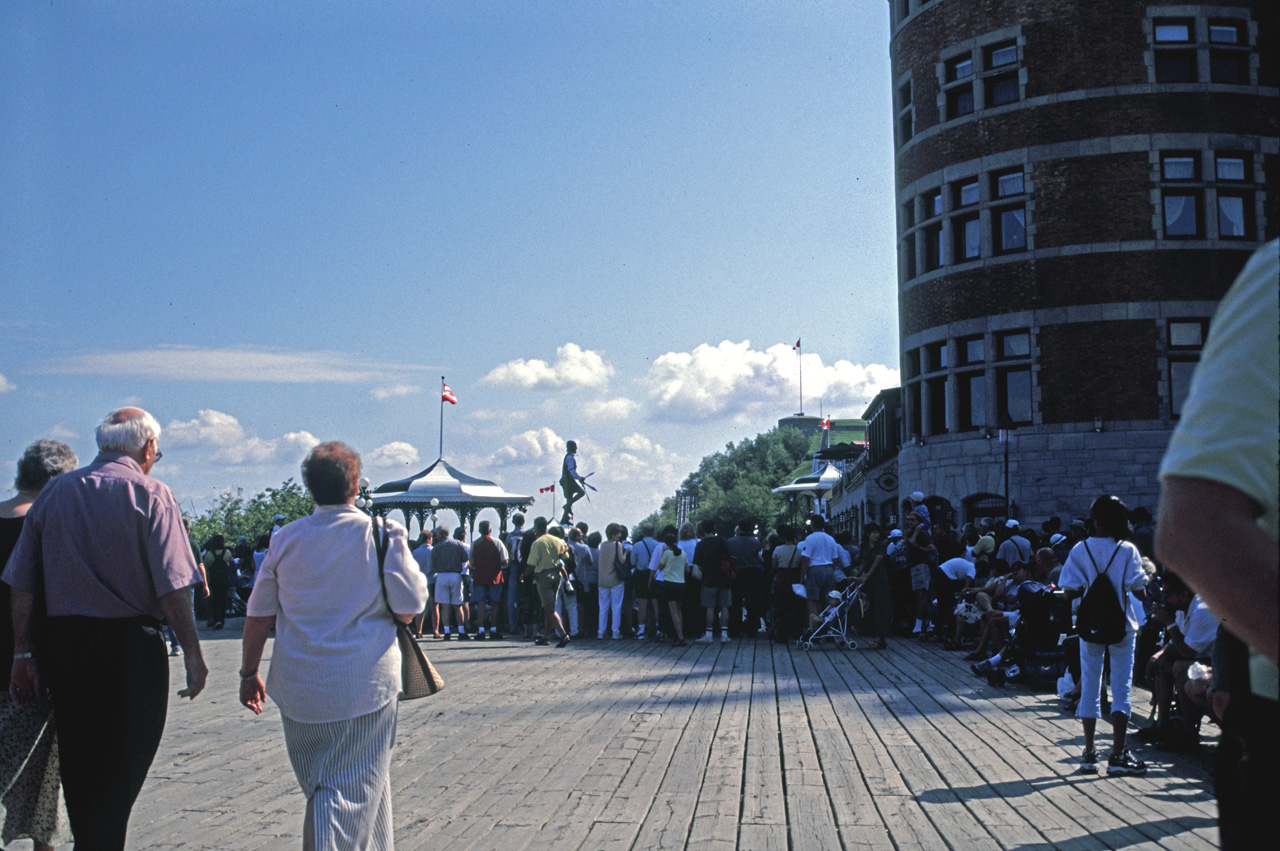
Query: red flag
[(447, 395), (825, 424), (547, 489), (797, 345)]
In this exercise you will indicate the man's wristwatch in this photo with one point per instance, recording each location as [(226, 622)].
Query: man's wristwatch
[(249, 675)]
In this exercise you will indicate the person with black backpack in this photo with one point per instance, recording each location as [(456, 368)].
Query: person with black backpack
[(217, 560), (1105, 570)]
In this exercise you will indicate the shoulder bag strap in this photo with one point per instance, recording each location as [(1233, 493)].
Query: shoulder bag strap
[(381, 542)]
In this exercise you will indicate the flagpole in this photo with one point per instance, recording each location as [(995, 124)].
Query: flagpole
[(440, 457), (800, 356)]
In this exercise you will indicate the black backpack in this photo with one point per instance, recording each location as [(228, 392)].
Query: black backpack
[(1100, 619), (220, 568)]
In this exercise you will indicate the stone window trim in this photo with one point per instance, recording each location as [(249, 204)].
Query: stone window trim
[(904, 111), (981, 74), (1205, 195), (1195, 45), (965, 220), (1182, 339), (945, 376)]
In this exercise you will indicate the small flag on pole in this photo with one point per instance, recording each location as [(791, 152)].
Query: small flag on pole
[(446, 395), (550, 489), (796, 347), (826, 424)]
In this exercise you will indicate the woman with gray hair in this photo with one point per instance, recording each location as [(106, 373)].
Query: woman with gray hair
[(31, 805), (335, 665)]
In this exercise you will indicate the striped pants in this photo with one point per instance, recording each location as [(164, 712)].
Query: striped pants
[(344, 769)]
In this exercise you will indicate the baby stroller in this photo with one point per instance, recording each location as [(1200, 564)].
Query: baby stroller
[(834, 620)]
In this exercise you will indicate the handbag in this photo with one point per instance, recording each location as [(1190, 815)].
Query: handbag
[(418, 677)]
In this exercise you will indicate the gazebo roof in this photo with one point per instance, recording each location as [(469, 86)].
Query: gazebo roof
[(818, 485), (443, 482)]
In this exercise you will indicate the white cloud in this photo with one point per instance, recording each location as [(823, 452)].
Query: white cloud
[(61, 432), (6, 385), (609, 409), (394, 391), (531, 446), (232, 363), (229, 443), (394, 454), (574, 367), (733, 381), (486, 415)]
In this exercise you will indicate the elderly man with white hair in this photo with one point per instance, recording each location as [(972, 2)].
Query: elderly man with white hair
[(105, 549)]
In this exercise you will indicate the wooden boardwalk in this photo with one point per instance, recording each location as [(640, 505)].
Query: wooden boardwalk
[(631, 745)]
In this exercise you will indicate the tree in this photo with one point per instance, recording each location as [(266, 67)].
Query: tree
[(231, 516), (738, 483)]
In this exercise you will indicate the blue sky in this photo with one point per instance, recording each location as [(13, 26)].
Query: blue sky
[(276, 223)]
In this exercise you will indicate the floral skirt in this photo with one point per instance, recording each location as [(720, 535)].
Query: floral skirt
[(31, 805)]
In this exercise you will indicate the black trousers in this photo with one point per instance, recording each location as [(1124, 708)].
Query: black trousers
[(749, 593), (218, 589), (109, 681)]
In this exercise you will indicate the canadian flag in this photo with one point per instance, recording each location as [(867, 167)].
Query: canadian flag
[(797, 345), (550, 489), (825, 424), (446, 395)]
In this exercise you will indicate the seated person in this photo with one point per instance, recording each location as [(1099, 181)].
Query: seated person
[(1189, 635), (999, 607), (953, 577)]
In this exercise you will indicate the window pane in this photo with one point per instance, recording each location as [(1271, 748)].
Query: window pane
[(1228, 67), (1005, 54), (1230, 168), (1009, 184), (974, 350), (938, 406), (1186, 334), (932, 247), (909, 214), (1013, 229), (934, 204), (1178, 168), (909, 256), (1015, 345), (1180, 217), (958, 69), (913, 363), (904, 95), (1175, 66), (1224, 33), (1179, 383), (972, 239), (1231, 217), (1002, 90), (969, 193), (973, 401), (1016, 392), (1173, 31), (959, 102)]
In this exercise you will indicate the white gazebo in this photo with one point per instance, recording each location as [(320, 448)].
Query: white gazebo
[(817, 486), (443, 486)]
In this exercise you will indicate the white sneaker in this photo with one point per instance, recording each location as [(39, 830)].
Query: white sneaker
[(705, 638), (724, 638), (617, 636), (599, 636)]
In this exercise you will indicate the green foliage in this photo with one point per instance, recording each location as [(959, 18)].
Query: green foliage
[(738, 483), (233, 516)]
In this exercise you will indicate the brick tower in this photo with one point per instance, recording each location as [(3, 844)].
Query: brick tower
[(1078, 182)]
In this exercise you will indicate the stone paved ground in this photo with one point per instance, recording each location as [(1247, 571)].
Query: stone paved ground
[(749, 745)]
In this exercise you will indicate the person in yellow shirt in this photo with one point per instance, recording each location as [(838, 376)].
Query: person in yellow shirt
[(546, 564)]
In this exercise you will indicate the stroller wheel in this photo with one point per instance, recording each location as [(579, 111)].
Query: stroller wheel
[(842, 643)]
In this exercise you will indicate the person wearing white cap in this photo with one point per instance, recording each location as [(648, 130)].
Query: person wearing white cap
[(918, 506), (277, 523)]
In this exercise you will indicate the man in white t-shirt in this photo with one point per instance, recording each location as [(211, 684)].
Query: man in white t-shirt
[(1220, 523), (820, 555)]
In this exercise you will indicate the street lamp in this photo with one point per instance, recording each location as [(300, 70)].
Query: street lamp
[(435, 503), (364, 500), (1007, 428)]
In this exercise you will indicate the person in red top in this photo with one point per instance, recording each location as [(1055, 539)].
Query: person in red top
[(488, 557)]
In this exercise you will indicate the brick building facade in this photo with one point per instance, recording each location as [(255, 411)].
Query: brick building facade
[(1078, 183)]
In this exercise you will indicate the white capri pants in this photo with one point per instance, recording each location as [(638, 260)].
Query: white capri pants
[(611, 601), (1091, 656)]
